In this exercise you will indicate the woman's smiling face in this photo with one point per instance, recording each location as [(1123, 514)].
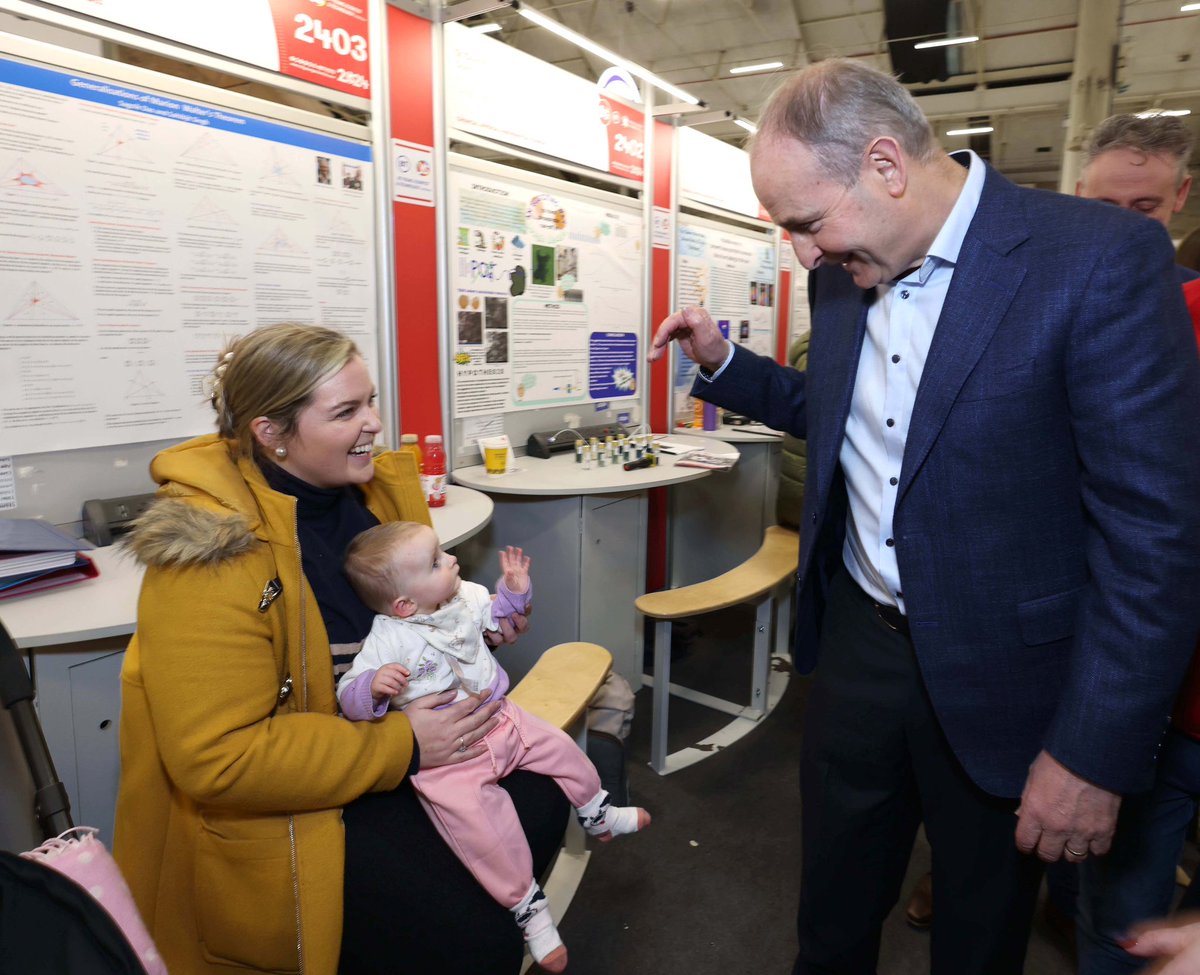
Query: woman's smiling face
[(336, 431)]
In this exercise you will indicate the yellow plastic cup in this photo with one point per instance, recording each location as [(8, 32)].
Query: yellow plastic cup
[(495, 458)]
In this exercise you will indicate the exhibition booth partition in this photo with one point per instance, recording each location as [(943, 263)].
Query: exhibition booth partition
[(539, 228)]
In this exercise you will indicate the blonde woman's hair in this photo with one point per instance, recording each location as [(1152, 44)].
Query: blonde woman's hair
[(273, 372), (373, 563)]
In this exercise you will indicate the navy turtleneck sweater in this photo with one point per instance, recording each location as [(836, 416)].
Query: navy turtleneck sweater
[(327, 520)]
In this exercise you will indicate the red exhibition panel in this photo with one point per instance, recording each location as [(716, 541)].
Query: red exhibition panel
[(660, 379), (410, 78), (783, 306)]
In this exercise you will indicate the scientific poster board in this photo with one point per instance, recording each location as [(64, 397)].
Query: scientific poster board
[(138, 231), (731, 272), (545, 297)]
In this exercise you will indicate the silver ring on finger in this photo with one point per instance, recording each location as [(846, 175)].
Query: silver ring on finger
[(1075, 853), (462, 743)]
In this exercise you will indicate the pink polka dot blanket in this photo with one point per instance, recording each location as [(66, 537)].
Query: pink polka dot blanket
[(78, 855)]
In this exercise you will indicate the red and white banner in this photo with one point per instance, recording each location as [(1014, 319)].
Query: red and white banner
[(325, 42), (626, 138), (498, 92)]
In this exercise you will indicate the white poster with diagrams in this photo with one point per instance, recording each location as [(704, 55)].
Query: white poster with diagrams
[(730, 272), (546, 295), (138, 232)]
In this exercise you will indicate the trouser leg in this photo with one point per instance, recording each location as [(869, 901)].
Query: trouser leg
[(549, 751), (874, 762), (859, 806), (477, 818), (984, 888), (1135, 881)]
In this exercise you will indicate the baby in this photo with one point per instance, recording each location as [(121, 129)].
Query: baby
[(428, 638)]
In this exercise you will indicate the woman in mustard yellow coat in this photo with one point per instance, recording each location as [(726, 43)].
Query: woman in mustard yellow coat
[(235, 763)]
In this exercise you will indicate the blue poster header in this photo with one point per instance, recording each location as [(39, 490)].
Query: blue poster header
[(151, 103)]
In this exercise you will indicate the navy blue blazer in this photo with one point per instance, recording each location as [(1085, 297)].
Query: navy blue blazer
[(1047, 524)]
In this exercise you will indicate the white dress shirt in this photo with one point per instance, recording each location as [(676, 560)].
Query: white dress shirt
[(900, 326)]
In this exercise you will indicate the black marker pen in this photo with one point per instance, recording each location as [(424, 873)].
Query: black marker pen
[(636, 465)]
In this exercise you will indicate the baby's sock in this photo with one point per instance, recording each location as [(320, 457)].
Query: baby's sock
[(537, 927), (605, 821)]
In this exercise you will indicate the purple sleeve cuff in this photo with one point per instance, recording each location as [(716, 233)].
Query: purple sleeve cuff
[(508, 602), (357, 701)]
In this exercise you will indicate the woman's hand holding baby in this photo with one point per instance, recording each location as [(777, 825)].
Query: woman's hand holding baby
[(453, 734)]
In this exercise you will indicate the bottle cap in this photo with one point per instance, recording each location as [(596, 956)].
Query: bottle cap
[(434, 438), (409, 438)]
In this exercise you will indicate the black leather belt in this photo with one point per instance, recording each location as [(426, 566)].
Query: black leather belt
[(892, 617)]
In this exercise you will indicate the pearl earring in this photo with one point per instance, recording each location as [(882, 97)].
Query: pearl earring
[(281, 453)]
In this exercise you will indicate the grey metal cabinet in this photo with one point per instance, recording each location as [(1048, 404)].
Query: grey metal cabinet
[(589, 564)]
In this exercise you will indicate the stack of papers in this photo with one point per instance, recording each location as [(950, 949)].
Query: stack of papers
[(35, 555), (706, 459)]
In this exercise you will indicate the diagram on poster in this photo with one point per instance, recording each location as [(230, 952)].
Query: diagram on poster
[(547, 297), (139, 232)]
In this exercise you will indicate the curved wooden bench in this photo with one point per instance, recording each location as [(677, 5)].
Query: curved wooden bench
[(758, 580), (557, 689)]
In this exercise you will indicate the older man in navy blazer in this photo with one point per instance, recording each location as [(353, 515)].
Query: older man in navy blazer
[(1001, 514)]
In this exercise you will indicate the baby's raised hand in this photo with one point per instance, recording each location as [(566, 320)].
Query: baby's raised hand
[(515, 565), (389, 680)]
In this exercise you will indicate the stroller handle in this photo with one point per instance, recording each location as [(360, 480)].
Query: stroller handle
[(50, 801)]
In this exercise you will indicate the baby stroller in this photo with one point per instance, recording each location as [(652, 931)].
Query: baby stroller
[(51, 924)]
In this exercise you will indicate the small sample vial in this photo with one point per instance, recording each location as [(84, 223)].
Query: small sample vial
[(578, 451)]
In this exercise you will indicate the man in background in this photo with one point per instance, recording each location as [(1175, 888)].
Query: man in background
[(1140, 164)]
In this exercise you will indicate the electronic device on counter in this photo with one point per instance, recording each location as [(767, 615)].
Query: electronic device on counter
[(555, 441), (735, 419), (106, 519)]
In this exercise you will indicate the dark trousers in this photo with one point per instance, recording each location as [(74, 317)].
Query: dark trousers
[(412, 908), (874, 765)]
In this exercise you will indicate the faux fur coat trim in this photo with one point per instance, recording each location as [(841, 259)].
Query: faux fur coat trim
[(177, 532)]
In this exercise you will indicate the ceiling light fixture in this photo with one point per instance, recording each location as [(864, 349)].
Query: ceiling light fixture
[(1189, 8), (946, 42), (491, 28), (747, 68), (976, 130), (1154, 112), (539, 18), (745, 124)]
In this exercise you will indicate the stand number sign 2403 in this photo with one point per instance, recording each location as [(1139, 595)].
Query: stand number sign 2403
[(340, 40)]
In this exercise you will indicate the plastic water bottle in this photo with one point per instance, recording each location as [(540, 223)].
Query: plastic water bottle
[(434, 477)]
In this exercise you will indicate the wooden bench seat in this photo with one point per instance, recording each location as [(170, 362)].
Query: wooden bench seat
[(557, 689), (560, 685), (759, 580)]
